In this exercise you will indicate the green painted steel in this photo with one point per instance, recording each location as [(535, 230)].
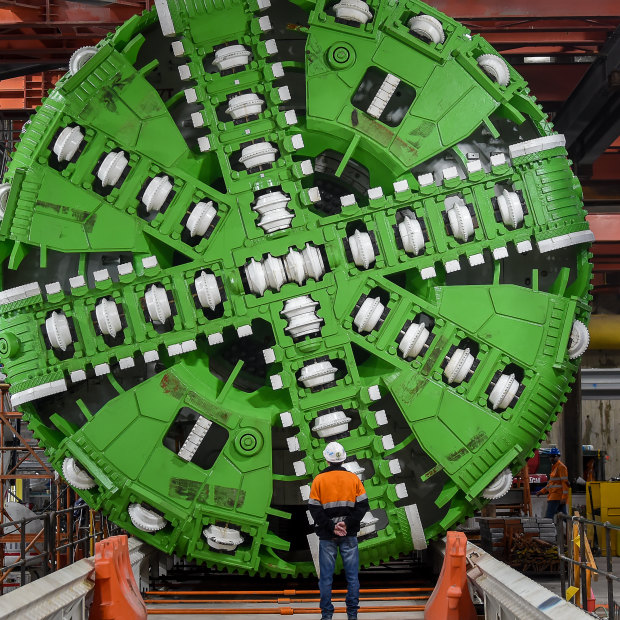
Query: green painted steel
[(236, 232)]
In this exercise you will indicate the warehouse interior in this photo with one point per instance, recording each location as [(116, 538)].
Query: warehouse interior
[(569, 53)]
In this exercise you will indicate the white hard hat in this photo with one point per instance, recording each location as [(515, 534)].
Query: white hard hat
[(334, 452)]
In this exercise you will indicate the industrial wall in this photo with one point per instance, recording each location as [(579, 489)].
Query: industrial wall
[(600, 419)]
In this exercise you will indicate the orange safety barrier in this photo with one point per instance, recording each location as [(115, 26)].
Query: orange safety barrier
[(450, 599), (116, 594)]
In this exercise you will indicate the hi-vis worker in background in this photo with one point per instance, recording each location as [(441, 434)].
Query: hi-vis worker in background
[(557, 487), (337, 504)]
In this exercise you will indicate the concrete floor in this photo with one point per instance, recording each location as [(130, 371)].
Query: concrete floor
[(599, 587)]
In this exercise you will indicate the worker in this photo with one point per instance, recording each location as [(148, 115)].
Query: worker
[(557, 487), (337, 504)]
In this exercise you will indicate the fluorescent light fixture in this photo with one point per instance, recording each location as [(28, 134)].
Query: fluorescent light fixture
[(538, 60)]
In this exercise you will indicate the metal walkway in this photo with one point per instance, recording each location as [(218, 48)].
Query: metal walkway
[(396, 591), (390, 603)]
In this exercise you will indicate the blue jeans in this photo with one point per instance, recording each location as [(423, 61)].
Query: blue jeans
[(553, 507), (328, 551)]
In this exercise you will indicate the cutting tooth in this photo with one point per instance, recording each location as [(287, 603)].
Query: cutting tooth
[(318, 374), (510, 209), (413, 340), (58, 331), (108, 317), (145, 519), (255, 275), (112, 167), (260, 154), (157, 304), (368, 316), (294, 264), (200, 219), (505, 389), (207, 290), (368, 524), (362, 249), (355, 468), (275, 275), (353, 11), (156, 193), (76, 475), (459, 365), (68, 143), (222, 538), (332, 423), (231, 57), (242, 106), (460, 220), (427, 27), (272, 209), (313, 262), (300, 313), (411, 236)]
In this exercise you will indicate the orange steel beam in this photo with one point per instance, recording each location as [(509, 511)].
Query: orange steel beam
[(539, 37), (536, 22), (605, 226), (605, 191), (284, 611), (28, 477), (472, 9), (36, 31), (552, 82), (25, 92), (7, 572), (67, 13), (281, 601), (607, 166), (605, 251), (276, 592)]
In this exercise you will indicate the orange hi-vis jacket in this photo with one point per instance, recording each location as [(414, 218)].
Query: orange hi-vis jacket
[(558, 486), (337, 495)]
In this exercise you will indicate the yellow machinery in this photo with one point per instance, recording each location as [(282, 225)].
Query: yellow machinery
[(603, 504)]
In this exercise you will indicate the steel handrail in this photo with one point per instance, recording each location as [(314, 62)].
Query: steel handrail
[(582, 563), (46, 538)]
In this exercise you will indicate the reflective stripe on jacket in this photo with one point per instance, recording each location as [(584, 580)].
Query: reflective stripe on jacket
[(337, 495), (558, 486)]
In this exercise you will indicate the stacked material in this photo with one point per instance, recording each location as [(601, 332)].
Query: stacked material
[(533, 555), (540, 528), (497, 533)]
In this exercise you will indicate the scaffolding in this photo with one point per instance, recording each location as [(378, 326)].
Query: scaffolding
[(21, 459), (63, 529)]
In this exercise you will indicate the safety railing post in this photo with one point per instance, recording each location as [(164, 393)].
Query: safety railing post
[(46, 544), (70, 529), (610, 583), (574, 556), (582, 562), (53, 526), (22, 552), (560, 524)]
